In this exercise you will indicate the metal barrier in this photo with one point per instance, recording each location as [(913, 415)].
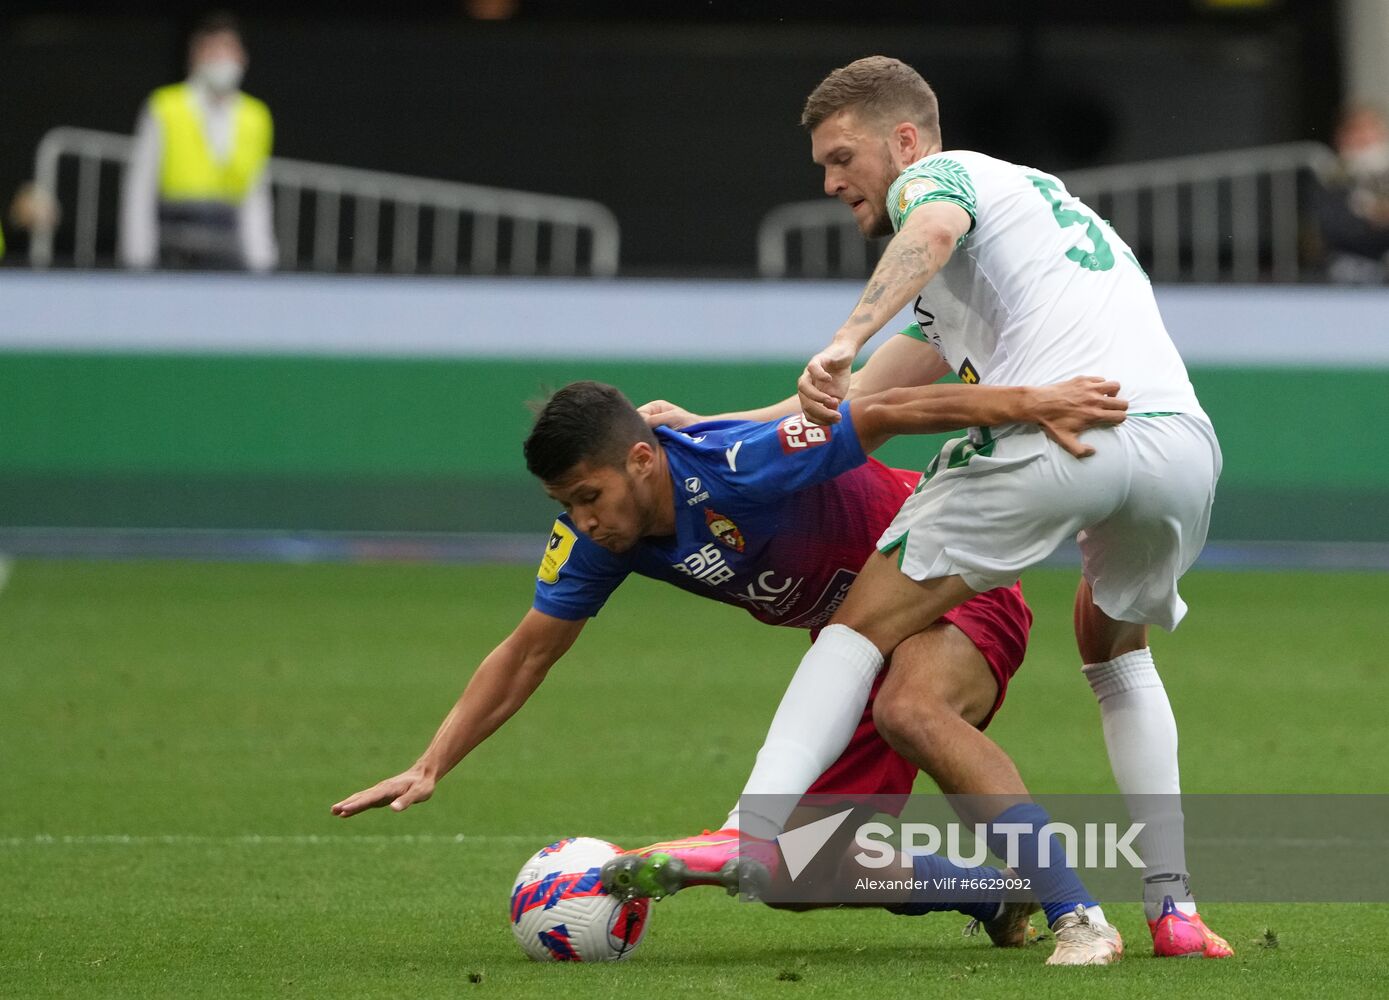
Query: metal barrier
[(1236, 216), (499, 231)]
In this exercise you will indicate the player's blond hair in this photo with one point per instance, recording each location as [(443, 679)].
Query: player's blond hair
[(882, 89)]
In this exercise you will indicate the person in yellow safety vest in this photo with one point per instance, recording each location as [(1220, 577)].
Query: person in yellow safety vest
[(196, 194)]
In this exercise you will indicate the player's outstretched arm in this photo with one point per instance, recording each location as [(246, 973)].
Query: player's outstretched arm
[(501, 684), (918, 251), (902, 361), (1063, 411), (663, 413)]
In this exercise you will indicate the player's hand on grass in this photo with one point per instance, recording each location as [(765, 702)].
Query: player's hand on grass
[(1067, 409), (825, 382), (663, 413), (400, 793)]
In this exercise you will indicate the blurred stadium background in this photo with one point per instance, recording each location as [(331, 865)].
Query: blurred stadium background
[(474, 201), (448, 181)]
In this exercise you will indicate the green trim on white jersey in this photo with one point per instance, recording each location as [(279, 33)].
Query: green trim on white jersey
[(936, 178)]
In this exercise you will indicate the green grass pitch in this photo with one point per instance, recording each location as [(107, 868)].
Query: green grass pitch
[(179, 731)]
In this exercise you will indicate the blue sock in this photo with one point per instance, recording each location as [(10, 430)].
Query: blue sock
[(1057, 887), (938, 893)]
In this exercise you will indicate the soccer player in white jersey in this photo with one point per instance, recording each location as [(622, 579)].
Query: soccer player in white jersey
[(1017, 282), (1014, 281)]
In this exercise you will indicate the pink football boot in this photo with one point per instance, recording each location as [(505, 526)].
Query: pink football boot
[(741, 864), (1175, 935)]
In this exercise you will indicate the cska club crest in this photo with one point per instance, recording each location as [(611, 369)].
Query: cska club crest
[(724, 530)]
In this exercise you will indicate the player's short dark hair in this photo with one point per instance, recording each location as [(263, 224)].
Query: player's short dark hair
[(214, 23), (882, 89), (583, 422)]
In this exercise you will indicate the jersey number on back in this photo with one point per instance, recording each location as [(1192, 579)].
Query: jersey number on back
[(1099, 259)]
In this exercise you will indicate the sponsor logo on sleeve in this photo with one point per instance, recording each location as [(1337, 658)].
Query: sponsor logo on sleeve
[(724, 530), (557, 552), (968, 374), (798, 434), (911, 191)]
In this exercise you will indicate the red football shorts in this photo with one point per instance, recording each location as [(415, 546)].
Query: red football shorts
[(997, 622)]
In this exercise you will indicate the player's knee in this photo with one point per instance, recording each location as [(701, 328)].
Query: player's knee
[(888, 718), (909, 723)]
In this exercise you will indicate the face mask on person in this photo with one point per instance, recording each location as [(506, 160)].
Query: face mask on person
[(1368, 161), (221, 76)]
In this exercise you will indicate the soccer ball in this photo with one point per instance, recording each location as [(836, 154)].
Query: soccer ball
[(560, 911)]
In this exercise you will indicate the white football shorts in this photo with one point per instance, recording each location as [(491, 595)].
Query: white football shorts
[(998, 501)]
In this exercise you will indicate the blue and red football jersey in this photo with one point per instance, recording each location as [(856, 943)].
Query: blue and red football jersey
[(775, 517)]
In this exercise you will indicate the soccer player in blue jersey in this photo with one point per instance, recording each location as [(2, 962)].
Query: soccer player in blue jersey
[(773, 516)]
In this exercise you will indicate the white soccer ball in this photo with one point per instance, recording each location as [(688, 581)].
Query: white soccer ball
[(560, 911)]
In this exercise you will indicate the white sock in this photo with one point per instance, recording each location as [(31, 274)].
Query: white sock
[(813, 724), (1140, 733), (1096, 914)]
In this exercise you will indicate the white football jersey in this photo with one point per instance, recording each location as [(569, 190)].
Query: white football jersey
[(1041, 289)]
